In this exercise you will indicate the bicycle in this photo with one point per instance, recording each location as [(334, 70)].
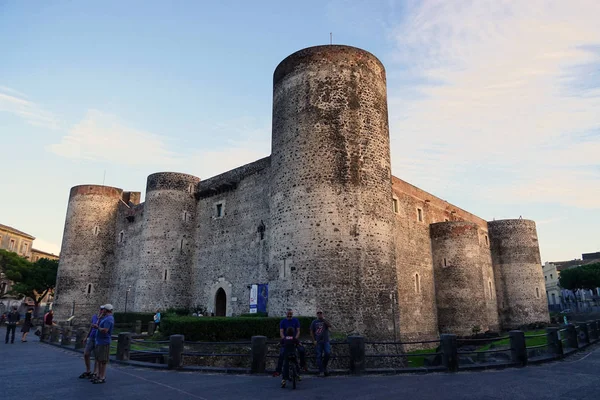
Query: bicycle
[(293, 369)]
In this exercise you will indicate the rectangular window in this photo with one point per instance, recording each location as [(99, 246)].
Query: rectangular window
[(165, 278), (121, 237), (11, 246), (444, 262), (219, 210), (25, 246), (550, 276), (395, 205), (420, 215), (486, 240)]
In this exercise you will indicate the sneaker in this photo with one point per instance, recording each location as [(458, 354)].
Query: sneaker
[(276, 374), (85, 375), (95, 381), (283, 383), (93, 377)]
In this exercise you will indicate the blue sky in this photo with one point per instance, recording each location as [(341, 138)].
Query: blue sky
[(494, 105)]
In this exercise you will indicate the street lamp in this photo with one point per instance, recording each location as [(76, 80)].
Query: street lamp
[(127, 295)]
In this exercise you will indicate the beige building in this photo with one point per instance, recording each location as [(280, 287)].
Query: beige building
[(19, 242)]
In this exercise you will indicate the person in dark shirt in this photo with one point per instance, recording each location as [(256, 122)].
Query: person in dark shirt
[(319, 332), (289, 345), (27, 325), (11, 324), (290, 322)]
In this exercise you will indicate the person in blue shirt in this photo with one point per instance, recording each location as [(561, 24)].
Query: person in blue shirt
[(90, 344), (157, 320), (289, 322), (103, 338)]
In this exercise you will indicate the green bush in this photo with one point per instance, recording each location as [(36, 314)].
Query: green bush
[(216, 329), (255, 315), (131, 317)]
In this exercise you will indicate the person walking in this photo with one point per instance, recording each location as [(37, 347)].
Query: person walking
[(103, 339), (90, 345), (319, 332), (26, 325), (11, 324), (157, 320)]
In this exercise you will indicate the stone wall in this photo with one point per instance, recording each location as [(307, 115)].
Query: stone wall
[(459, 260), (229, 251), (128, 244), (332, 224), (87, 253), (167, 245), (519, 276)]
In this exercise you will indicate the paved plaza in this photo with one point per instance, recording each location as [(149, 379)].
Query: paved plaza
[(40, 371)]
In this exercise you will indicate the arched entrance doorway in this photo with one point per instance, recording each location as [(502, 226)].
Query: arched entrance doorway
[(220, 303)]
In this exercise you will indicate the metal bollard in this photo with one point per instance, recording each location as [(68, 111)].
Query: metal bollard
[(449, 347), (518, 347), (554, 344), (80, 336), (66, 336), (572, 337), (259, 354), (176, 351), (151, 327), (123, 346), (54, 333), (357, 354)]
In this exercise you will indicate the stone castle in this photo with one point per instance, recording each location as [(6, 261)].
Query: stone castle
[(322, 221)]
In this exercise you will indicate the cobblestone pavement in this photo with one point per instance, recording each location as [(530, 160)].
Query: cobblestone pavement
[(40, 371)]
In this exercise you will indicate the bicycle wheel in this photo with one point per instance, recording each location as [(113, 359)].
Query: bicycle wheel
[(293, 375)]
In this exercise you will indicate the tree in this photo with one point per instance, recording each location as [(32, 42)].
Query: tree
[(584, 277), (32, 280)]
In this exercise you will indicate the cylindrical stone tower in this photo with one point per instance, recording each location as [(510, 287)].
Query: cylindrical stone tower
[(167, 249), (331, 214), (518, 269), (462, 290), (86, 256)]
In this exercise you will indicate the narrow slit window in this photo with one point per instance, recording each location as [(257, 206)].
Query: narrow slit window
[(490, 286), (417, 283), (89, 288), (165, 276), (96, 230), (420, 215), (487, 243), (181, 245), (537, 293), (395, 205), (185, 216), (191, 188), (445, 262), (219, 210), (121, 237)]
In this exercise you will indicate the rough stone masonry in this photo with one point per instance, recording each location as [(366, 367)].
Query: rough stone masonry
[(322, 221)]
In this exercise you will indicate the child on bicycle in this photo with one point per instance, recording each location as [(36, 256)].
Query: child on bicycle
[(289, 344)]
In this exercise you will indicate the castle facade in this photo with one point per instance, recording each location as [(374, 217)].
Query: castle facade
[(321, 221)]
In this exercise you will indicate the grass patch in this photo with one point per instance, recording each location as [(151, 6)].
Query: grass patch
[(416, 362), (529, 342)]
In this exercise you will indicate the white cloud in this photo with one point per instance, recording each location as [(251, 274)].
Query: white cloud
[(14, 102), (506, 88), (104, 137)]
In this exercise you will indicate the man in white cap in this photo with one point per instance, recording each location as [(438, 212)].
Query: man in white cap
[(103, 338), (90, 344)]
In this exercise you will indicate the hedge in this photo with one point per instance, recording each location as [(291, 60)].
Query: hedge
[(216, 329), (130, 317)]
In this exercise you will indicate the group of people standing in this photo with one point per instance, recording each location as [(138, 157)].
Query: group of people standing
[(12, 320), (97, 342), (289, 331)]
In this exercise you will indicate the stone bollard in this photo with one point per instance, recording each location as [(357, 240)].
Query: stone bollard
[(259, 354), (151, 327), (584, 330), (595, 334), (572, 337), (449, 348), (45, 333), (554, 344), (80, 337), (357, 354), (518, 347), (176, 351), (54, 334), (123, 346), (138, 326), (66, 336)]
